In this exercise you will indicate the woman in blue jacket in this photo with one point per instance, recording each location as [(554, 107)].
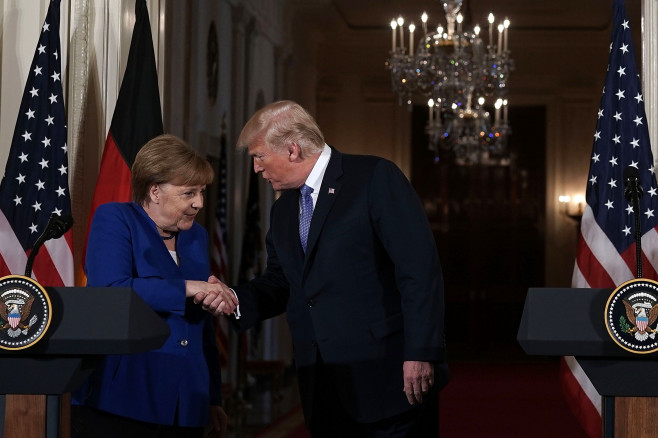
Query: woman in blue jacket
[(154, 246)]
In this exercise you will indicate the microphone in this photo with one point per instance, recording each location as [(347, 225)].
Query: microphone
[(633, 193), (633, 190), (57, 226)]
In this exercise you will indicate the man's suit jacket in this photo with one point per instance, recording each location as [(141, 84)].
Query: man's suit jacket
[(125, 249), (368, 293)]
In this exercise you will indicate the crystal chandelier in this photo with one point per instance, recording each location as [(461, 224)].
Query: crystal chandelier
[(458, 76)]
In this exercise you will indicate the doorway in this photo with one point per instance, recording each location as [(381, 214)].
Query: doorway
[(488, 222)]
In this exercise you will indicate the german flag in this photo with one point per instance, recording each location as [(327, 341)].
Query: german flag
[(137, 117)]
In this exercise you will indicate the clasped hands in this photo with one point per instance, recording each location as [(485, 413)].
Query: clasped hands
[(213, 296)]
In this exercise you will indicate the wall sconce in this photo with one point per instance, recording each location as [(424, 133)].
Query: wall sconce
[(572, 207)]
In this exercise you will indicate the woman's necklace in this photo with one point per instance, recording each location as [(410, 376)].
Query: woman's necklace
[(171, 235)]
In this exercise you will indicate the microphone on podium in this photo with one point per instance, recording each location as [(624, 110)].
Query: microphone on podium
[(633, 188), (57, 226), (633, 194)]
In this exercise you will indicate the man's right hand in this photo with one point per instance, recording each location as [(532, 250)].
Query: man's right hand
[(213, 296)]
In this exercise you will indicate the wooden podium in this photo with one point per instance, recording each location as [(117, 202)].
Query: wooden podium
[(570, 322), (87, 324)]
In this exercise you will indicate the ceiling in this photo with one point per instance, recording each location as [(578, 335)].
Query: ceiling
[(534, 23), (556, 44), (524, 14)]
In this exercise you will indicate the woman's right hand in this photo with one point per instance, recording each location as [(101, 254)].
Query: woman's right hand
[(213, 295)]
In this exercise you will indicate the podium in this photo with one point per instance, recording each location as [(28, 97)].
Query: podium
[(87, 324), (570, 322)]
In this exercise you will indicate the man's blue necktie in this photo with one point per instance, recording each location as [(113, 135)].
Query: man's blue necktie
[(306, 214)]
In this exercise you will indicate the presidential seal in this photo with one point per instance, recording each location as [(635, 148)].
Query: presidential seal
[(25, 312), (631, 315)]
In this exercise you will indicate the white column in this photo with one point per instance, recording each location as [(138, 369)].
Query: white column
[(82, 174), (650, 69)]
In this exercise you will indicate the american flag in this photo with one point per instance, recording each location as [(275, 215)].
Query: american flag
[(35, 182), (219, 258), (606, 255)]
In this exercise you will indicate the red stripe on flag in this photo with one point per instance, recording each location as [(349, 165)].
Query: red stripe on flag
[(69, 239), (648, 271), (579, 402), (629, 257), (4, 269), (53, 265), (44, 269), (591, 268)]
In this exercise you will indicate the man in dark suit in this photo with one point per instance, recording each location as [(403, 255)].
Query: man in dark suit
[(353, 263)]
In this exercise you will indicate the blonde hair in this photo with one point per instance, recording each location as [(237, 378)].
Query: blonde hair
[(167, 159), (281, 123)]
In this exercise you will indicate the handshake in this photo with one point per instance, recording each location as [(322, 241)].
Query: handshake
[(214, 296)]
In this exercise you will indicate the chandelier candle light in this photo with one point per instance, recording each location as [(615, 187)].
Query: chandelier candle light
[(457, 75)]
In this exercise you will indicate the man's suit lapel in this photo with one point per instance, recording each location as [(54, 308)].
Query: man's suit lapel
[(329, 190)]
